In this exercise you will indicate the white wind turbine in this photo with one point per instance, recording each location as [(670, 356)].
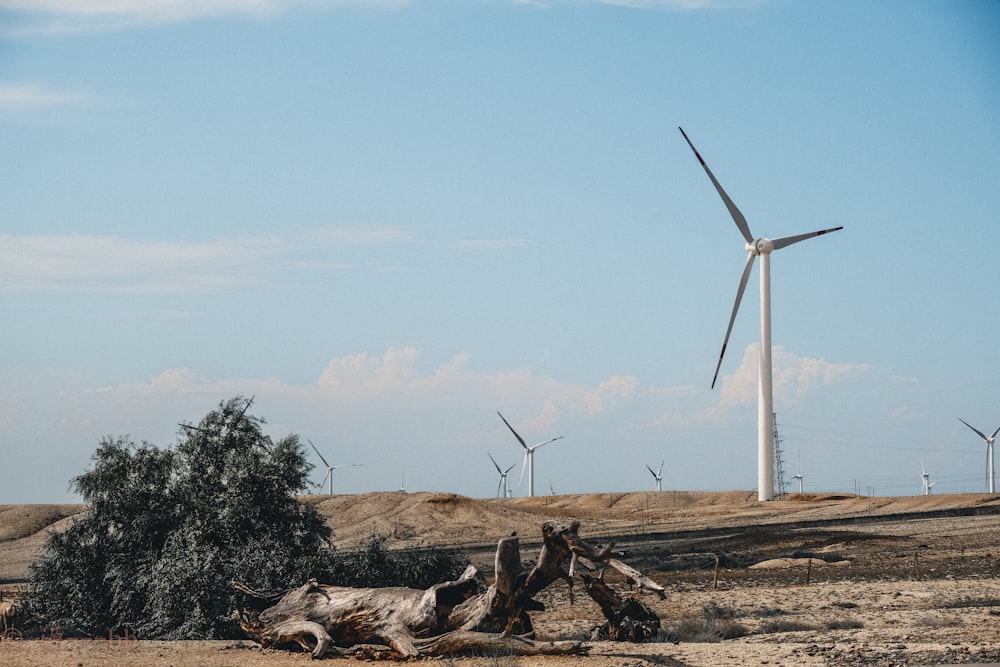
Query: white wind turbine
[(990, 480), (798, 477), (529, 456), (761, 247), (658, 476), (925, 477), (329, 469), (502, 487)]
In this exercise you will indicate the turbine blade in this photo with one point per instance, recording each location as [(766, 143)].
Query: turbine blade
[(980, 433), (789, 240), (741, 222), (732, 318), (533, 447), (499, 487), (523, 466), (495, 465), (650, 470), (509, 469), (661, 468), (519, 438), (995, 433), (318, 454)]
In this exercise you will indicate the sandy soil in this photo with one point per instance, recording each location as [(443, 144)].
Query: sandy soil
[(815, 580)]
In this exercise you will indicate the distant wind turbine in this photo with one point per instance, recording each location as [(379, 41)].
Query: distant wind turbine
[(798, 473), (761, 247), (990, 480), (658, 476), (926, 482), (329, 469), (502, 487), (529, 456)]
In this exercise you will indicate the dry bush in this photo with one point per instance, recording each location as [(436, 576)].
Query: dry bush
[(714, 624)]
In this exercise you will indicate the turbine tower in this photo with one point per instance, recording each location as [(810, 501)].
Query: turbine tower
[(990, 480), (658, 476), (761, 247), (926, 482), (329, 469), (502, 487), (529, 456)]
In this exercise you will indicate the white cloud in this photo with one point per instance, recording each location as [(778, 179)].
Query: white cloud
[(792, 376), (79, 263), (365, 373), (71, 15), (396, 374), (25, 98)]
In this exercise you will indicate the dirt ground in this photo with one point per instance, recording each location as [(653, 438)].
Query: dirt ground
[(807, 581)]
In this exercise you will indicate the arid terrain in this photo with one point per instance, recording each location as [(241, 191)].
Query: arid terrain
[(809, 580)]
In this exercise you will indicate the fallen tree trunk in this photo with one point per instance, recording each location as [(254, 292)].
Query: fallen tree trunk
[(451, 617)]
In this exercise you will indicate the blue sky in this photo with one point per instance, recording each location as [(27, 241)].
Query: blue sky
[(388, 220)]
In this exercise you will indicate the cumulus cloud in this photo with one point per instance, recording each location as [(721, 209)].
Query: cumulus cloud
[(609, 391), (363, 372), (396, 372), (792, 376)]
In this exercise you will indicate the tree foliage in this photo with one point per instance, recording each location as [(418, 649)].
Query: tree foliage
[(166, 531)]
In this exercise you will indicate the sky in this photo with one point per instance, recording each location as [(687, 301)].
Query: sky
[(387, 220)]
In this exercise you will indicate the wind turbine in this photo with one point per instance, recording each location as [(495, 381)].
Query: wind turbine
[(926, 479), (798, 476), (502, 487), (529, 456), (657, 475), (990, 480), (761, 247), (329, 469)]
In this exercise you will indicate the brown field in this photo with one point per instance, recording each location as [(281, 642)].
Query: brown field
[(811, 580)]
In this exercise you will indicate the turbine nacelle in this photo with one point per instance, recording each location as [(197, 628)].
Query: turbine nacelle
[(760, 246)]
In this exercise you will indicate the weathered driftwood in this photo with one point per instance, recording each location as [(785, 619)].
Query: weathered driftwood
[(453, 617), (628, 619)]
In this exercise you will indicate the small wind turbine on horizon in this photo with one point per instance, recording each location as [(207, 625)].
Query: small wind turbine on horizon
[(529, 456), (798, 475), (502, 487), (926, 482), (761, 247), (329, 469), (658, 475), (990, 479)]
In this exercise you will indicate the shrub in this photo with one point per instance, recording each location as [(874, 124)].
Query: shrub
[(375, 566), (165, 531), (784, 625), (713, 625)]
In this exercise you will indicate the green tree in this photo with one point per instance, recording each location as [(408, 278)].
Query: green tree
[(166, 531)]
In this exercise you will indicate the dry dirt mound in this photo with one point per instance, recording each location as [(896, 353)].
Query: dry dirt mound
[(446, 519), (23, 529)]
